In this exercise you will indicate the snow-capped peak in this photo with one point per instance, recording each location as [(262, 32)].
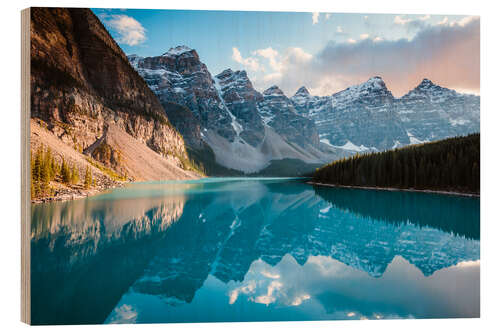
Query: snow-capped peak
[(225, 73), (428, 88), (134, 59), (302, 91), (375, 82), (375, 86), (274, 90), (426, 83), (178, 50)]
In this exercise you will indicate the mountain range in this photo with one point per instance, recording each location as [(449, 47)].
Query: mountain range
[(97, 108), (247, 130)]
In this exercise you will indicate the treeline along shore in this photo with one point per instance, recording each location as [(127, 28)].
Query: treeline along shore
[(450, 165)]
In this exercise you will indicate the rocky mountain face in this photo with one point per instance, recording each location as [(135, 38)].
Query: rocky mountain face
[(247, 130), (279, 113), (244, 129), (361, 117), (430, 112), (178, 76), (367, 117), (82, 84), (241, 99)]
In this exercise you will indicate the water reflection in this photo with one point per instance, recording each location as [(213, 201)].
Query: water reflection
[(239, 250)]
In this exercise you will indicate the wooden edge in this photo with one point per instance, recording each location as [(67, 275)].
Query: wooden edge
[(25, 168)]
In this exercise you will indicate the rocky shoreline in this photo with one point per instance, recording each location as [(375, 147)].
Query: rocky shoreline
[(473, 195), (66, 194)]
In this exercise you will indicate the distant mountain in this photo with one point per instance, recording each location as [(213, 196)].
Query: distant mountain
[(430, 112), (91, 108), (227, 118), (279, 113), (367, 117)]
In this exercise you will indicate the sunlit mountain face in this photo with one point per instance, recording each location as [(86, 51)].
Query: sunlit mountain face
[(253, 249)]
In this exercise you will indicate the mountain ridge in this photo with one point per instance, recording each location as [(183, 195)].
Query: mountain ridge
[(365, 117), (245, 129)]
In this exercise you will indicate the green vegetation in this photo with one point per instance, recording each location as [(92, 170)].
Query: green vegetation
[(287, 167), (446, 165), (88, 181), (111, 173), (191, 165), (65, 172), (204, 159), (45, 169)]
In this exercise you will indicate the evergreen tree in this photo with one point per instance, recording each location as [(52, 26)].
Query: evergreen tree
[(451, 164), (88, 178), (65, 172), (75, 176)]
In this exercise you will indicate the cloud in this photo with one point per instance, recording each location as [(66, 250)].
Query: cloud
[(400, 20), (444, 21), (412, 23), (464, 21), (315, 17), (129, 30), (269, 297), (447, 54), (271, 55), (340, 31), (245, 289), (249, 63)]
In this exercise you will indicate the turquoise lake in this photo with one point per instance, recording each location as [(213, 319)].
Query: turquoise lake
[(244, 249)]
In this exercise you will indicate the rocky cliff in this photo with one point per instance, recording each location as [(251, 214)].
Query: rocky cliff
[(279, 113), (178, 76), (82, 84)]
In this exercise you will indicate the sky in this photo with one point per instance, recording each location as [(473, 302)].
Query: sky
[(326, 52)]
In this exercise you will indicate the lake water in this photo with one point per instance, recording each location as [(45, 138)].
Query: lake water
[(233, 249)]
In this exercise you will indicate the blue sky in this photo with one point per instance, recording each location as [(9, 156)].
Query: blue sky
[(270, 45)]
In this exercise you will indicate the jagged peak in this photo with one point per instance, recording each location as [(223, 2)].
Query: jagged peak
[(178, 50), (225, 73), (302, 91), (229, 72), (375, 78), (373, 83), (273, 90), (134, 59), (376, 81), (425, 83)]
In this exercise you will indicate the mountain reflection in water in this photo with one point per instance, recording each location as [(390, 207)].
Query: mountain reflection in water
[(253, 249)]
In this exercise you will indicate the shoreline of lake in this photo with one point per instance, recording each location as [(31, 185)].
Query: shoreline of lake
[(68, 194), (395, 189)]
